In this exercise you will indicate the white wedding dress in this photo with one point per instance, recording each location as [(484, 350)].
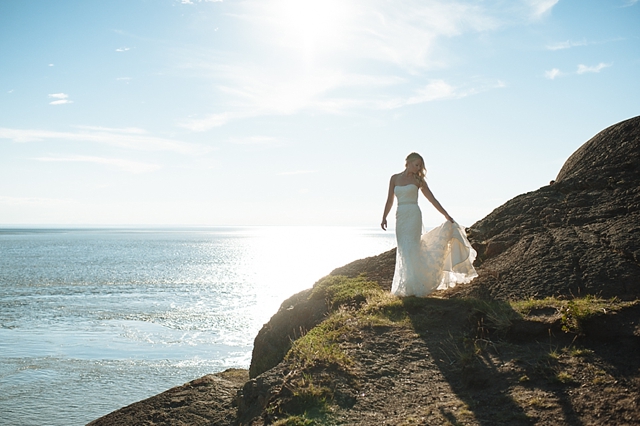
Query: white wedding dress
[(437, 260)]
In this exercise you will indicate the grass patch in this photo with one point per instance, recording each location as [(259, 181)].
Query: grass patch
[(339, 290), (383, 309), (294, 421), (320, 345), (554, 354), (564, 378), (463, 351), (308, 404), (578, 352), (577, 311), (525, 307), (538, 402), (497, 314)]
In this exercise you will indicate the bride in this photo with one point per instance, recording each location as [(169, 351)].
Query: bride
[(437, 260)]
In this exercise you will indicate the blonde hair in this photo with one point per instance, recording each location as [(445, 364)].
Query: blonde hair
[(422, 172)]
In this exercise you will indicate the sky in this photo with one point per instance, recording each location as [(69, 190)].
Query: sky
[(297, 112)]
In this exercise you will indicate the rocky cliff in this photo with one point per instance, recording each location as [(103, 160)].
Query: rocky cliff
[(580, 235)]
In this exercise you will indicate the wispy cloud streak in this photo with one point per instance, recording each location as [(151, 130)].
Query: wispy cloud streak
[(125, 138), (541, 7), (198, 1), (582, 69), (596, 68), (553, 73), (123, 164), (61, 99), (566, 45), (297, 172), (33, 201)]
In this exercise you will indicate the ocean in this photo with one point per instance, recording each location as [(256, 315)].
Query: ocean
[(94, 319)]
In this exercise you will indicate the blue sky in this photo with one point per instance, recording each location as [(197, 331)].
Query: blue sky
[(297, 112)]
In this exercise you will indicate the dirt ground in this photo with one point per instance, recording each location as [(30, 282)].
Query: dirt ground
[(448, 368)]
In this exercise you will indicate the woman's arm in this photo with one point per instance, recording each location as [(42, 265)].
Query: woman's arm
[(429, 195), (389, 203)]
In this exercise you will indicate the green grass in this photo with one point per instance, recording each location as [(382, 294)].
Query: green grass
[(383, 309), (579, 352), (524, 307), (294, 421), (577, 311), (309, 404), (357, 302), (320, 345), (343, 291), (564, 378), (574, 312), (499, 315)]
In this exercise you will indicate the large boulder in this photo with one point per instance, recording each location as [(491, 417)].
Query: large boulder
[(579, 235)]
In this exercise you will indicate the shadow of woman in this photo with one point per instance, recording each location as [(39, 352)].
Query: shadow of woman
[(457, 335)]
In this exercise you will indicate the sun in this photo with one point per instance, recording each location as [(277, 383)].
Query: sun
[(311, 26)]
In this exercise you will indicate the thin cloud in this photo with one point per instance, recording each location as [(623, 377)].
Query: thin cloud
[(582, 69), (61, 99), (256, 141), (541, 7), (119, 163), (129, 130), (114, 137), (300, 100), (566, 45), (122, 49), (33, 201), (596, 68), (629, 3), (569, 43), (209, 122), (61, 102), (297, 172), (199, 1), (553, 73), (440, 90), (435, 90)]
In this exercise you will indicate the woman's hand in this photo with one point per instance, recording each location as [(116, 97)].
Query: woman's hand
[(383, 225)]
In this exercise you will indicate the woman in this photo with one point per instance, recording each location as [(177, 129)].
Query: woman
[(439, 259)]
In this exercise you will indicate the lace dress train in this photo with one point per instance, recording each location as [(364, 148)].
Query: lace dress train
[(437, 260)]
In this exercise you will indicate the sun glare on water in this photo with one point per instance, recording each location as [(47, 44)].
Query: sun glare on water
[(287, 260)]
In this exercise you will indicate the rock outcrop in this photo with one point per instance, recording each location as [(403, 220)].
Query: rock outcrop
[(209, 400), (304, 310), (580, 235), (297, 315)]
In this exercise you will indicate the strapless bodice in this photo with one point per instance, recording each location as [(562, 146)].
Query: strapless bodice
[(406, 194)]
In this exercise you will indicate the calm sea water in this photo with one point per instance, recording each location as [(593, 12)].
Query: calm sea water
[(92, 320)]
